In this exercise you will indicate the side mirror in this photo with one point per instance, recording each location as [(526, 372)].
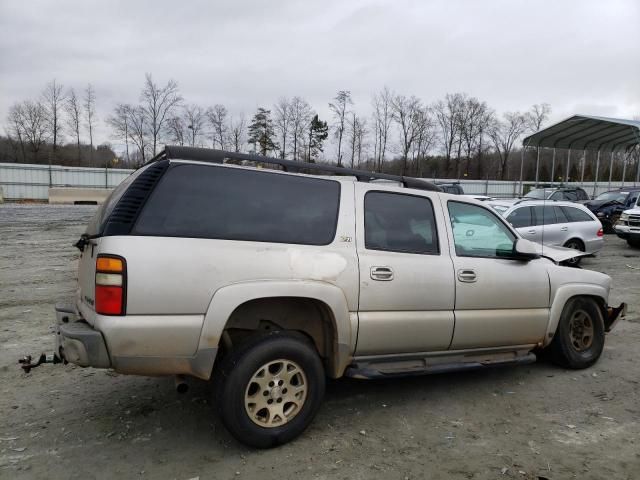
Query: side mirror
[(526, 250)]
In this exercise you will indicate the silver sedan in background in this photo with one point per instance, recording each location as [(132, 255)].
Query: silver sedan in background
[(553, 223)]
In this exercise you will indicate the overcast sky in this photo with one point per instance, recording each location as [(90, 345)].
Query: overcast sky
[(581, 56)]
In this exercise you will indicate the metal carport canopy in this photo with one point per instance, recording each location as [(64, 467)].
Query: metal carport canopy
[(585, 132)]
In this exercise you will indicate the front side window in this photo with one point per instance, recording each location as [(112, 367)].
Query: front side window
[(206, 201), (397, 222), (479, 233), (520, 217)]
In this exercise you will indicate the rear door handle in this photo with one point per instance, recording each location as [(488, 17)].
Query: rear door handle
[(531, 232), (564, 229), (384, 274), (468, 276)]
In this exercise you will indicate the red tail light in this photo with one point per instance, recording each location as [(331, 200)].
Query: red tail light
[(600, 233), (111, 277)]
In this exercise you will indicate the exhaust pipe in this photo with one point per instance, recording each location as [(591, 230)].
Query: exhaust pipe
[(181, 384)]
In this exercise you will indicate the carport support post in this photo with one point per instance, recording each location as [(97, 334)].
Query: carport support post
[(566, 177), (553, 165), (584, 160), (522, 167), (537, 164), (595, 183), (610, 170), (624, 169), (638, 166)]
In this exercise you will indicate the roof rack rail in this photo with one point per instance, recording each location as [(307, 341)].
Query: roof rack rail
[(219, 156)]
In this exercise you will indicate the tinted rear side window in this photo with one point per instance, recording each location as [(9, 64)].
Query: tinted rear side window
[(544, 215), (576, 215), (520, 217), (397, 222), (203, 201)]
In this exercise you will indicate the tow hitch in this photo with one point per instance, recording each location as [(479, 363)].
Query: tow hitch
[(26, 362)]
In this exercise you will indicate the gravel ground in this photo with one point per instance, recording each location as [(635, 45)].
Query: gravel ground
[(535, 421)]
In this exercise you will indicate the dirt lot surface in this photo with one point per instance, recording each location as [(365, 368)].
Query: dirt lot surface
[(536, 421)]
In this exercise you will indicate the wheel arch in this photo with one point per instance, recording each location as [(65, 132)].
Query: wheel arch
[(287, 305), (566, 293)]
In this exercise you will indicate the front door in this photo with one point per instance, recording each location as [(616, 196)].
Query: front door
[(407, 286), (499, 301)]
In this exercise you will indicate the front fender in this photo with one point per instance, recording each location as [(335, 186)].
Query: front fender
[(227, 299), (562, 296)]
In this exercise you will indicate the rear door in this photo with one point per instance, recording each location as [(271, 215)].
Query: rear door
[(407, 289), (551, 232)]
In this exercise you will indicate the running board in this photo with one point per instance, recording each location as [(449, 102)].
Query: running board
[(371, 368)]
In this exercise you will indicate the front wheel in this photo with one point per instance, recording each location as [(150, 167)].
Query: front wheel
[(575, 245), (579, 338), (270, 389)]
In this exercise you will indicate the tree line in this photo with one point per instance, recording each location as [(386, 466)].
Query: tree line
[(459, 136)]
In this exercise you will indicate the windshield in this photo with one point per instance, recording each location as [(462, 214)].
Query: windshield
[(611, 196), (539, 194)]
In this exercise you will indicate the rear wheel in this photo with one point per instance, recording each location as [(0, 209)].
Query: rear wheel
[(575, 244), (579, 338), (270, 389), (634, 242)]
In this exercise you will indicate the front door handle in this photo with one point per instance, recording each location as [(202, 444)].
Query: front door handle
[(384, 274), (532, 232), (467, 276)]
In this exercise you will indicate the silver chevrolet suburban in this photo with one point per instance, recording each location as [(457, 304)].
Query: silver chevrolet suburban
[(253, 273)]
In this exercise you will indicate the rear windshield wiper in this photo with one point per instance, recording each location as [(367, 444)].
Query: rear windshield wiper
[(84, 241)]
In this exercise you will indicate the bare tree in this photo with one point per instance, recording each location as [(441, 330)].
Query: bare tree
[(138, 130), (537, 116), (119, 122), (504, 134), (299, 117), (74, 118), (406, 113), (176, 128), (237, 129), (361, 138), (53, 99), (425, 137), (473, 127), (16, 129), (447, 115), (282, 123), (382, 118), (89, 105), (217, 118), (339, 107), (158, 103), (33, 121), (195, 119)]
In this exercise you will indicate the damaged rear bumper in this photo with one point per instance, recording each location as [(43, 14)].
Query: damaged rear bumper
[(613, 315), (78, 342)]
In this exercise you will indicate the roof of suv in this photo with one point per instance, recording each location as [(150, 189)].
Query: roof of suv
[(209, 155)]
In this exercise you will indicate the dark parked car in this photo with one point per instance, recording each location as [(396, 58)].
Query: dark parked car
[(569, 194), (609, 205), (454, 188)]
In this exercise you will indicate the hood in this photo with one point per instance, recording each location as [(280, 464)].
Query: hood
[(598, 204), (559, 254)]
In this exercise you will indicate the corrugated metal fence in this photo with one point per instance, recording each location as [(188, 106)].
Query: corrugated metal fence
[(31, 182), (20, 181)]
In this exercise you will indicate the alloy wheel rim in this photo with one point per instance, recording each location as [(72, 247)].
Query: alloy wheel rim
[(276, 393), (581, 330)]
